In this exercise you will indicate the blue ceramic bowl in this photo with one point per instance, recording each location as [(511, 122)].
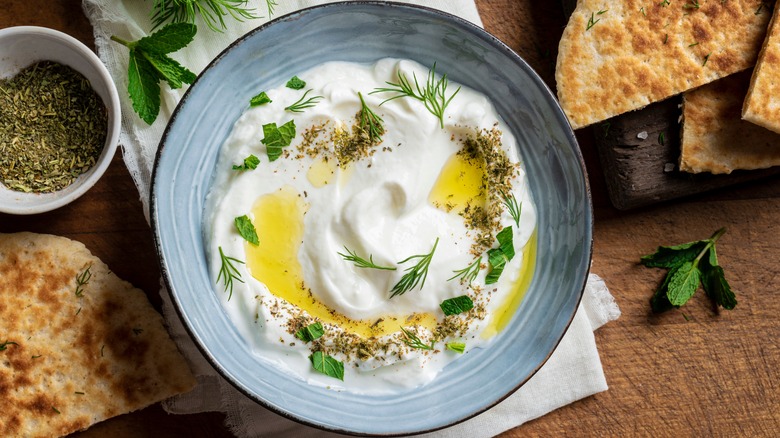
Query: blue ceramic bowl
[(364, 32)]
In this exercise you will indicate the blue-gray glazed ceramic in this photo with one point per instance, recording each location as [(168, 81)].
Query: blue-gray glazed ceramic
[(364, 32)]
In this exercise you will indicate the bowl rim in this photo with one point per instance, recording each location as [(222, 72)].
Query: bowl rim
[(53, 200), (467, 27)]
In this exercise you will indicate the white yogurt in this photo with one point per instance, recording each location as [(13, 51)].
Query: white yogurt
[(377, 206)]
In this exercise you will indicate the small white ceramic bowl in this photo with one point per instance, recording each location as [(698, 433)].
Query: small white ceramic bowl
[(24, 45)]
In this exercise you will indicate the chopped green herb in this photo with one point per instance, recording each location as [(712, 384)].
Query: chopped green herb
[(55, 409), (470, 272), (296, 83), (79, 393), (246, 229), (499, 257), (413, 341), (458, 347), (593, 20), (260, 99), (228, 272), (250, 163), (691, 5), (689, 265), (4, 345), (149, 64), (82, 280), (303, 103), (457, 305), (275, 138), (661, 138), (327, 365), (360, 262), (414, 274), (706, 58), (310, 332), (36, 356)]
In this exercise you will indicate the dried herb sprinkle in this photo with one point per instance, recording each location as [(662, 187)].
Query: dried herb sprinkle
[(52, 128)]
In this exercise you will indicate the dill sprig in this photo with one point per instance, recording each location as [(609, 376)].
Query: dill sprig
[(303, 103), (470, 272), (360, 262), (228, 272), (414, 341), (82, 279), (433, 95), (4, 345), (414, 274), (512, 206), (370, 122), (213, 12)]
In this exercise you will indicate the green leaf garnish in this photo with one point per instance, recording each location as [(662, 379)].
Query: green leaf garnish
[(458, 347), (213, 12), (250, 163), (260, 99), (499, 257), (310, 332), (296, 83), (303, 103), (413, 341), (149, 64), (82, 280), (370, 122), (228, 272), (470, 272), (433, 95), (4, 345), (327, 365), (275, 138), (414, 274), (690, 265), (457, 305), (512, 206), (360, 262), (246, 229)]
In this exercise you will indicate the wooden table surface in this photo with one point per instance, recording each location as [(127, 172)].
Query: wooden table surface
[(693, 371)]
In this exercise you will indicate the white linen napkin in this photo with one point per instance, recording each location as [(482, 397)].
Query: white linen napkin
[(573, 371)]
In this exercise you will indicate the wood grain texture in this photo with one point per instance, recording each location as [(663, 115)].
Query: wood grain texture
[(714, 374)]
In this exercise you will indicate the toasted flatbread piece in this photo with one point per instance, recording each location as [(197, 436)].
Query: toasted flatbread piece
[(762, 104), (618, 56), (715, 139), (78, 345)]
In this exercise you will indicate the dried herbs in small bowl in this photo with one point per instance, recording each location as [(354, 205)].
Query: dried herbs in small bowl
[(59, 119)]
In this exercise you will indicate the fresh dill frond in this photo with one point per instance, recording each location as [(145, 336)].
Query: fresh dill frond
[(360, 262), (414, 274), (82, 279), (213, 12), (433, 94), (512, 206), (370, 122), (414, 341), (469, 273), (303, 103), (228, 272)]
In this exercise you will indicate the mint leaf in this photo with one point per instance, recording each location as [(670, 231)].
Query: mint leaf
[(683, 282), (327, 365), (169, 70), (714, 282), (310, 332), (250, 163), (143, 88), (458, 347), (295, 83), (670, 256), (260, 99), (454, 306), (172, 37), (246, 229), (499, 257), (276, 138)]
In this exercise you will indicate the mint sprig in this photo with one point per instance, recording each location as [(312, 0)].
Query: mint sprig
[(247, 230), (499, 257), (690, 265), (275, 138), (149, 64)]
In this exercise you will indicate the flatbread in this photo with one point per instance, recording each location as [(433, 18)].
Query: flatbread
[(715, 139), (762, 104), (73, 356), (619, 56)]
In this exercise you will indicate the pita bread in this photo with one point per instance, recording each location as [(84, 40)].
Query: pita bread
[(71, 355), (714, 137), (619, 56), (762, 104)]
